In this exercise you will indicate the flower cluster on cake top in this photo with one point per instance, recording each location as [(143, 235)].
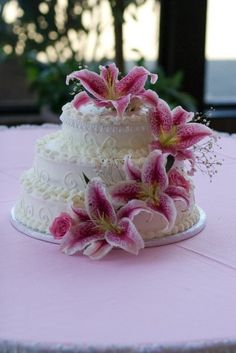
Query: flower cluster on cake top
[(105, 90), (106, 218)]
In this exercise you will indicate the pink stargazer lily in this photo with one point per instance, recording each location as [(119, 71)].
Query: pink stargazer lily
[(99, 227), (150, 185), (173, 132), (106, 90)]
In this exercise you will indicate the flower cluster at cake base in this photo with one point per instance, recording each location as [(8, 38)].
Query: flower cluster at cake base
[(98, 227), (107, 218)]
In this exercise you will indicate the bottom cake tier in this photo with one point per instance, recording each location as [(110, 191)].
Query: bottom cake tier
[(190, 228), (36, 211)]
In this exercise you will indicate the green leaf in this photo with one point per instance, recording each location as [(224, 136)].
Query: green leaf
[(170, 162), (86, 178)]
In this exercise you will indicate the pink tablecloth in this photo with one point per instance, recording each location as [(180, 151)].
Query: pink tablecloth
[(173, 298)]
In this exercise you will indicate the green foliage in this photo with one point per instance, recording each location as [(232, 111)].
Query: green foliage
[(170, 162), (48, 81), (42, 28), (86, 179), (39, 26), (38, 29)]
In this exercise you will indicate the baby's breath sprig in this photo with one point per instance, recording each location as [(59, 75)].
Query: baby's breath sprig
[(201, 118), (206, 156), (110, 170), (76, 86)]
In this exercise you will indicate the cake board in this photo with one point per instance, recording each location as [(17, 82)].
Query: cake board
[(169, 239)]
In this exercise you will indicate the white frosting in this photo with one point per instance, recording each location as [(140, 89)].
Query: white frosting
[(93, 141), (58, 147), (91, 114), (87, 132)]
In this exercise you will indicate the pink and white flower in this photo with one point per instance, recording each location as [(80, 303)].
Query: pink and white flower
[(150, 185), (61, 225), (173, 131), (99, 227), (106, 90)]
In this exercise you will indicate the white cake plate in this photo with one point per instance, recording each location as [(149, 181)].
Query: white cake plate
[(169, 239)]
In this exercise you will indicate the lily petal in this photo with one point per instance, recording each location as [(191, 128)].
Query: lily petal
[(131, 171), (109, 73), (153, 171), (102, 103), (132, 209), (121, 104), (80, 99), (134, 81), (125, 191), (128, 238), (79, 237), (166, 208), (161, 118), (97, 202), (154, 78), (97, 249), (185, 154), (177, 179), (149, 97), (91, 81), (191, 133), (181, 116), (154, 145), (81, 213), (178, 193)]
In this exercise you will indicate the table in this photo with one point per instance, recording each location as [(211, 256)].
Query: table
[(175, 298)]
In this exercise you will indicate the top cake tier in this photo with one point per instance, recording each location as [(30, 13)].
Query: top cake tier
[(95, 127)]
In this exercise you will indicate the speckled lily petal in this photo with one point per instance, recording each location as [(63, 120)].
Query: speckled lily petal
[(132, 209), (161, 118), (91, 81), (121, 104), (181, 116), (131, 171), (80, 99), (191, 133), (97, 202), (149, 97), (81, 213), (79, 237), (125, 191), (153, 171), (166, 208), (178, 193), (185, 154), (128, 238), (109, 73), (177, 179), (134, 81), (97, 249)]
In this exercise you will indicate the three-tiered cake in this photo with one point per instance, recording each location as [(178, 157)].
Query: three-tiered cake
[(120, 161)]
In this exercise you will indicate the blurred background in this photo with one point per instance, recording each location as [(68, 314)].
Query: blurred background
[(190, 44)]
